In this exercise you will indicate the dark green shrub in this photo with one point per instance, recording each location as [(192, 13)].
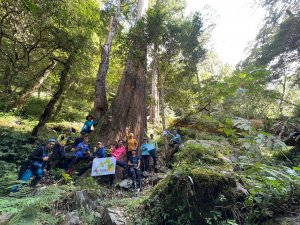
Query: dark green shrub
[(34, 107)]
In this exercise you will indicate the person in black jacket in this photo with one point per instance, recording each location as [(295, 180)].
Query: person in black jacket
[(37, 163)]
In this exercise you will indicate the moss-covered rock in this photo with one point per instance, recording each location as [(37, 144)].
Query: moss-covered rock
[(192, 198), (200, 153)]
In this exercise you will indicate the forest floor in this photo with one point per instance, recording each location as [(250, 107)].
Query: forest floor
[(230, 181)]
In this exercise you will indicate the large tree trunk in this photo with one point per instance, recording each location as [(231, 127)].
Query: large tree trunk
[(100, 104), (49, 108), (154, 115), (36, 85), (129, 106)]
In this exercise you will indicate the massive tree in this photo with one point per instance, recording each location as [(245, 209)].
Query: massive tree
[(129, 105), (175, 41)]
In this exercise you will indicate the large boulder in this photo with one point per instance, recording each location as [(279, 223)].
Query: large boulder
[(194, 197), (72, 218), (113, 216)]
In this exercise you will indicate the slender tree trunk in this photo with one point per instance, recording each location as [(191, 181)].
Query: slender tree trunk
[(163, 117), (29, 91), (129, 106), (49, 108), (281, 101), (61, 101), (7, 80), (6, 87), (142, 7), (154, 92), (100, 103)]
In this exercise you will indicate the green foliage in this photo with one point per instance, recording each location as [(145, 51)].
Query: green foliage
[(270, 188), (58, 173), (88, 183), (196, 154), (34, 107), (33, 209), (14, 147), (87, 217)]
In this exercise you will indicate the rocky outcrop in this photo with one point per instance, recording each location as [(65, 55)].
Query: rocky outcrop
[(113, 216), (72, 218), (194, 197)]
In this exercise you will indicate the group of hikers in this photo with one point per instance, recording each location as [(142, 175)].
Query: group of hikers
[(62, 153)]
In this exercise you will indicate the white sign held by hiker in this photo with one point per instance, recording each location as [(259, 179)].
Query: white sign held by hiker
[(104, 166)]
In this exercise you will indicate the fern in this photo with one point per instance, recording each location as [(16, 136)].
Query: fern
[(32, 209)]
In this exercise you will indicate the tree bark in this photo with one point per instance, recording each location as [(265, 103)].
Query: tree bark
[(100, 103), (29, 91), (129, 106), (49, 108), (154, 112)]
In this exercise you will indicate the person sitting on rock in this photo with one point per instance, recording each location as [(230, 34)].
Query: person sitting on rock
[(87, 126), (145, 154), (99, 152), (37, 163), (135, 170), (132, 143), (81, 151), (78, 140), (176, 139), (59, 149), (118, 151), (174, 143)]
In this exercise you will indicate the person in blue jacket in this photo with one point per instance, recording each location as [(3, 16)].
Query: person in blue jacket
[(87, 126), (145, 154), (82, 150), (175, 138), (37, 164), (174, 143), (99, 152)]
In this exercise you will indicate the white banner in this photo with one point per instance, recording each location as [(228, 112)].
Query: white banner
[(104, 166)]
